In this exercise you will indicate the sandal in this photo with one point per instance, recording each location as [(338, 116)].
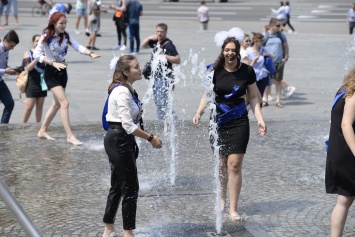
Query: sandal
[(235, 217), (88, 47), (264, 104), (279, 105)]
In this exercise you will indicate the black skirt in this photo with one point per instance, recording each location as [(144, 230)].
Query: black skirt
[(34, 89), (54, 77)]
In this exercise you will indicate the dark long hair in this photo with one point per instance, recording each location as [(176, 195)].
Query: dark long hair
[(122, 66), (220, 60), (50, 28)]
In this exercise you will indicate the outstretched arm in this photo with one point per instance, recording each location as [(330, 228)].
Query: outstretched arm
[(255, 106)]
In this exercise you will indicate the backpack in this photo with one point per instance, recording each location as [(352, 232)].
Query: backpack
[(267, 36)]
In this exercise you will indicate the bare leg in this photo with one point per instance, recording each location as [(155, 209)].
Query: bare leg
[(128, 233), (109, 228), (266, 93), (223, 177), (278, 91), (16, 20), (77, 22), (93, 38), (339, 215), (39, 109), (30, 103), (52, 111), (85, 21), (235, 182)]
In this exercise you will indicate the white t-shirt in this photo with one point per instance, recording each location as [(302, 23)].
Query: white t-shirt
[(351, 15), (202, 13)]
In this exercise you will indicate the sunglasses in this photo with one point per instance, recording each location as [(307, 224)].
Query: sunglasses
[(248, 41)]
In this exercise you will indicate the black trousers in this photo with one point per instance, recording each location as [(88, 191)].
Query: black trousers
[(122, 152)]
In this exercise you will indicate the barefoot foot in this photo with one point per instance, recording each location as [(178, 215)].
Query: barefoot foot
[(235, 217), (44, 135), (74, 141)]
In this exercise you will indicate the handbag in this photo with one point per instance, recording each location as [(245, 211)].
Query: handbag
[(147, 70), (21, 82), (92, 17), (269, 64)]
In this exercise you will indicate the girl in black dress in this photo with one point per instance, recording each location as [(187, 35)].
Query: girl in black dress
[(232, 82), (34, 93), (340, 167)]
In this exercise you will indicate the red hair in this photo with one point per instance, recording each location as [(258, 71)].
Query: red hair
[(50, 31)]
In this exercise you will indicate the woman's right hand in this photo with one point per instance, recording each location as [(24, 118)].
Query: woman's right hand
[(196, 119), (59, 66), (157, 143)]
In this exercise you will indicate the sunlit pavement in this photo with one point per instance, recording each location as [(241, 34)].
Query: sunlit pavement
[(63, 188)]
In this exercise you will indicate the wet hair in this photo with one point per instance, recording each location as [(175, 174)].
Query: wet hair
[(12, 36), (349, 82), (35, 36), (221, 60), (274, 21), (122, 66), (256, 37), (50, 29), (162, 25)]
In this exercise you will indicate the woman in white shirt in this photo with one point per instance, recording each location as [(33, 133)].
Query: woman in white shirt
[(51, 50), (243, 49), (123, 117), (256, 54)]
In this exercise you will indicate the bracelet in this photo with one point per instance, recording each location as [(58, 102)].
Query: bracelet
[(150, 138), (154, 139)]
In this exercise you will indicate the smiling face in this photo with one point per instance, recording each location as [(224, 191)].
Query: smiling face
[(230, 53), (59, 27), (135, 72)]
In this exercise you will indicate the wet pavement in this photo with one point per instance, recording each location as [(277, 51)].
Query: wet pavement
[(63, 188)]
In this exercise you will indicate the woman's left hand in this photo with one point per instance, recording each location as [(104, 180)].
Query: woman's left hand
[(94, 55), (262, 128)]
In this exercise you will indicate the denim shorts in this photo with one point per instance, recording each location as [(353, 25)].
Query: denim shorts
[(81, 12)]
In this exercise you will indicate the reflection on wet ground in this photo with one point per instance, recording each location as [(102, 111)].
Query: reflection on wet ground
[(63, 188)]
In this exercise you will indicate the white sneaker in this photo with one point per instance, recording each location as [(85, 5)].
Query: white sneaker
[(291, 90), (116, 47), (123, 47), (269, 98), (290, 31), (77, 31)]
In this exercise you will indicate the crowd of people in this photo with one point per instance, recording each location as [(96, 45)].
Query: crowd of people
[(240, 76)]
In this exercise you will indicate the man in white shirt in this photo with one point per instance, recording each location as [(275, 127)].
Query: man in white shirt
[(350, 18), (203, 16)]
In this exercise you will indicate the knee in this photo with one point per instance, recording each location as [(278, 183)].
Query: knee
[(64, 104), (235, 167)]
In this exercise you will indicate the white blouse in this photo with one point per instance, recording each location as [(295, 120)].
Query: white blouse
[(122, 108), (44, 50)]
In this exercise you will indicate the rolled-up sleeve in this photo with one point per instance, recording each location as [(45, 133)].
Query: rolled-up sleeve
[(38, 53), (75, 45)]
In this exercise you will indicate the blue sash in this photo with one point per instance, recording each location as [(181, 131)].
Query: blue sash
[(230, 113), (337, 97), (105, 110)]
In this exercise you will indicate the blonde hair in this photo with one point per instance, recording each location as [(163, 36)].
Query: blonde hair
[(349, 82)]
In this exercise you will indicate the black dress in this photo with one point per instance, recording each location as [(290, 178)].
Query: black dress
[(33, 89), (233, 136), (340, 166)]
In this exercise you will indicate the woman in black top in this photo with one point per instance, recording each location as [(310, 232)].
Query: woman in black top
[(34, 93), (232, 82), (340, 166)]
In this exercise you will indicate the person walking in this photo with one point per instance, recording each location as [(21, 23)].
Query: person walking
[(203, 15), (95, 11), (51, 50), (124, 113), (350, 18), (120, 19), (256, 55), (232, 81), (81, 12), (9, 42), (134, 11), (288, 15), (35, 94), (163, 75), (340, 164), (276, 44), (13, 5)]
